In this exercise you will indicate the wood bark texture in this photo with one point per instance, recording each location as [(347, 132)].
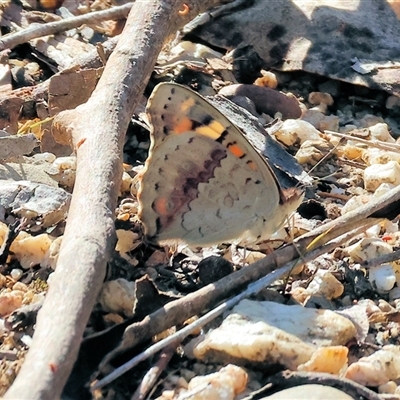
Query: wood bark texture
[(97, 130)]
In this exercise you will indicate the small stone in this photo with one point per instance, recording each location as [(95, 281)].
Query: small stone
[(326, 285), (389, 387), (230, 380), (10, 301), (329, 123), (16, 273), (372, 156), (378, 368), (369, 120), (268, 79), (213, 268), (377, 174), (380, 132), (267, 332), (118, 296), (296, 131), (312, 151), (19, 285), (392, 102), (383, 277), (309, 392)]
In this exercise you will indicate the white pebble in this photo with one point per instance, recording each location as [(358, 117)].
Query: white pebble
[(296, 130), (62, 163), (374, 231), (388, 387), (16, 273), (377, 174), (380, 131), (372, 156), (26, 340), (43, 157), (383, 277), (326, 285)]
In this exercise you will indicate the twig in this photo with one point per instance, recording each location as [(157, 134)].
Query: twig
[(383, 259), (154, 372), (98, 126), (35, 31), (372, 143), (338, 196)]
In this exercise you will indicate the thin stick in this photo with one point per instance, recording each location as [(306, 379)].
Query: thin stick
[(334, 195), (33, 32), (372, 143), (154, 372), (383, 259)]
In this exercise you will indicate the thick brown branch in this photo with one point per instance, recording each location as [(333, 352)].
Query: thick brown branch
[(99, 127)]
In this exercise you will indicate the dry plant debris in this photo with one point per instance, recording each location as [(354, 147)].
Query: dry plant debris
[(333, 321)]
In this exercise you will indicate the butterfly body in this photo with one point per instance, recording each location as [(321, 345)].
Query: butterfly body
[(203, 182)]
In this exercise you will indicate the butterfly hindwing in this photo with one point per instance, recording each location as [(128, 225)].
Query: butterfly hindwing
[(203, 183)]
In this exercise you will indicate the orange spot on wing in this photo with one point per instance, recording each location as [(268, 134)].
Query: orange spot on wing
[(184, 125), (160, 206), (252, 165), (236, 150)]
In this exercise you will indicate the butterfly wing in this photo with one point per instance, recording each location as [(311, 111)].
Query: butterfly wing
[(203, 182)]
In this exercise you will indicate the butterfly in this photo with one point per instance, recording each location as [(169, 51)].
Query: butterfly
[(203, 182)]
